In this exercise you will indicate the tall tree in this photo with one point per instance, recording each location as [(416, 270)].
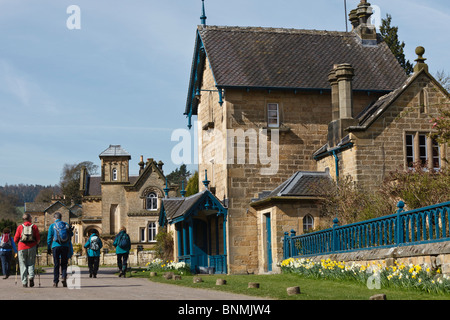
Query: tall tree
[(8, 209), (192, 185), (178, 176), (70, 180), (390, 36)]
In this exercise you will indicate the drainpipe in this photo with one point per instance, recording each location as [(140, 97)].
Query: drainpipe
[(336, 163)]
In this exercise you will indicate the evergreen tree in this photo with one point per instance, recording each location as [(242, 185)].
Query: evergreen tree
[(390, 36), (178, 176), (192, 185)]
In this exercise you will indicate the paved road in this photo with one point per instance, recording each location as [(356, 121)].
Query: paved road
[(107, 286)]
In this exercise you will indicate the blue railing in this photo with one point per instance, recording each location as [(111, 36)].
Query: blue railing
[(424, 225)]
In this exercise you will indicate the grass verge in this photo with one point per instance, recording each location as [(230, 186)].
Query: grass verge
[(274, 287)]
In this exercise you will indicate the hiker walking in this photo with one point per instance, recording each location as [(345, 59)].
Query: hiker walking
[(59, 244), (27, 236), (123, 245), (7, 246), (93, 246)]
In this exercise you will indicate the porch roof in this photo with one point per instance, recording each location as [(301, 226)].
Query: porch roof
[(301, 185), (177, 209)]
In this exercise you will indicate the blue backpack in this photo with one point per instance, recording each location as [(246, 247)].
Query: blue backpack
[(124, 241), (62, 233)]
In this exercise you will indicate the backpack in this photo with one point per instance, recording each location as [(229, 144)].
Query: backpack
[(62, 234), (5, 242), (27, 233), (95, 243), (124, 241)]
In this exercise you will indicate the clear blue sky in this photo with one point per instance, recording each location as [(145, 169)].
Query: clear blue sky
[(66, 95)]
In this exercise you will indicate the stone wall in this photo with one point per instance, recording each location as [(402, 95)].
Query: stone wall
[(435, 255), (110, 259)]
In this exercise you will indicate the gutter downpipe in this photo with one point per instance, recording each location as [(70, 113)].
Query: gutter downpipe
[(336, 161)]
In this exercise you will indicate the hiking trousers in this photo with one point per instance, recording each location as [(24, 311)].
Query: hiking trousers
[(122, 260), (5, 256), (60, 260), (93, 263), (27, 259)]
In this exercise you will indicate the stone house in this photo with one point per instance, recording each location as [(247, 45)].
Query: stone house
[(42, 214), (391, 133), (116, 198), (321, 103)]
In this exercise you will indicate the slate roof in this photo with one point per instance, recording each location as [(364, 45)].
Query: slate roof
[(114, 151), (177, 207), (291, 58), (36, 206), (300, 184), (93, 186)]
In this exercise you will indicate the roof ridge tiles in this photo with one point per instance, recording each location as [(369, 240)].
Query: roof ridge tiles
[(275, 30)]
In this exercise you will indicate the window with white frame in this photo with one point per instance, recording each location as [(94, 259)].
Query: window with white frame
[(273, 115), (151, 201), (114, 174), (308, 223), (152, 229)]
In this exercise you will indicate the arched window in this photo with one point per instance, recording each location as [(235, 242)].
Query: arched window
[(151, 201), (308, 223), (114, 174), (152, 231)]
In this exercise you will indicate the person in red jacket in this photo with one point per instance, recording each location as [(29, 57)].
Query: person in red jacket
[(27, 237)]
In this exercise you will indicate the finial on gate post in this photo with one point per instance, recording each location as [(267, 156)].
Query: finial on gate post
[(203, 16), (182, 192)]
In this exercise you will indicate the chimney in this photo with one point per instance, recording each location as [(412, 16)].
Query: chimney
[(362, 26), (334, 94), (141, 165), (83, 177), (344, 75), (160, 165), (341, 78), (354, 20), (420, 65)]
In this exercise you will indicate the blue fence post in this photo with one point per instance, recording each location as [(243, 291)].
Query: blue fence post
[(286, 243), (398, 223), (334, 237), (292, 244)]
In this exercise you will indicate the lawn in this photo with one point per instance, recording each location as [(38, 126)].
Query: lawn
[(274, 287)]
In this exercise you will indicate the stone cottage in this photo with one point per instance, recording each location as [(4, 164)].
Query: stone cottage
[(116, 198), (281, 109)]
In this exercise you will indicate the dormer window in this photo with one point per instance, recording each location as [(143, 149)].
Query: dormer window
[(152, 201), (114, 174)]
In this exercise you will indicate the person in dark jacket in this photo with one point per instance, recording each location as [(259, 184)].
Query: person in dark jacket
[(61, 249), (7, 247), (93, 246), (123, 245)]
